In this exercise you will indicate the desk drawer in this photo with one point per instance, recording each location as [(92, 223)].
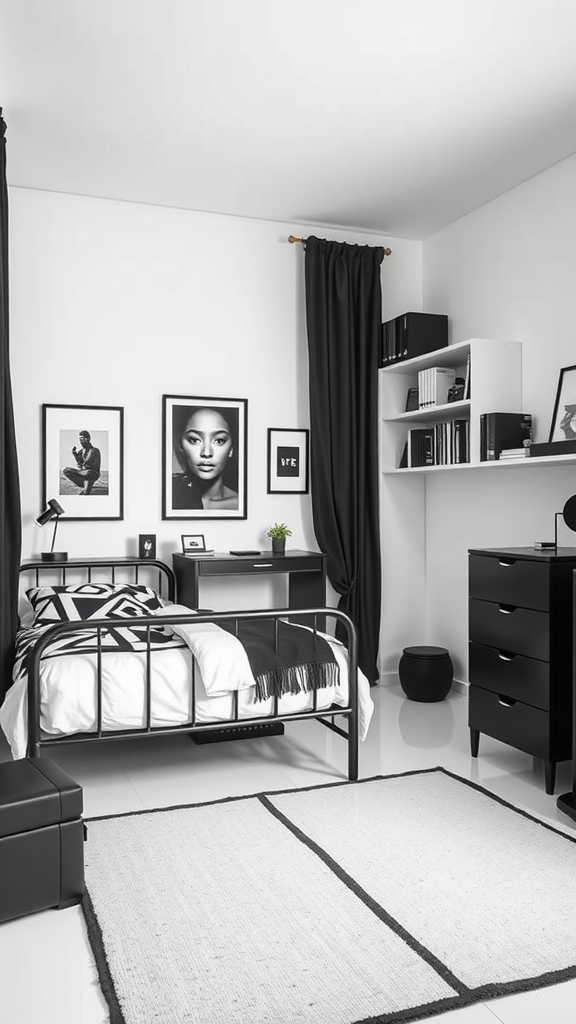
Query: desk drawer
[(519, 630), (510, 581), (262, 563), (512, 722), (512, 675)]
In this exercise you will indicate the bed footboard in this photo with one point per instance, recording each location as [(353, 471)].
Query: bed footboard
[(101, 626)]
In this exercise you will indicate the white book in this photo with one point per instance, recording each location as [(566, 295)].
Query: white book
[(467, 379), (441, 380), (421, 389), (431, 387)]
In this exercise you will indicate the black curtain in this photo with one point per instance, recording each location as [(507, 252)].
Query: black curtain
[(344, 317), (10, 516)]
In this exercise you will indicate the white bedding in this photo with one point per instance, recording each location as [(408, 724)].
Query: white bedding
[(68, 695)]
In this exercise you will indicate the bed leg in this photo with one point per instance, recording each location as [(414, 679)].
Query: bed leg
[(353, 748)]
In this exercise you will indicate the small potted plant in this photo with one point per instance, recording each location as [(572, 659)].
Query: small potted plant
[(278, 533)]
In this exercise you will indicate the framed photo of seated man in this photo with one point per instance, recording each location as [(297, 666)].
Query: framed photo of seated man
[(83, 460)]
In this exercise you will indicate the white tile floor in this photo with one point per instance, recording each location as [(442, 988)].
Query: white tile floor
[(46, 970)]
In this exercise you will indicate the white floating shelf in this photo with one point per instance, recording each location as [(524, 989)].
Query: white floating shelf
[(550, 460)]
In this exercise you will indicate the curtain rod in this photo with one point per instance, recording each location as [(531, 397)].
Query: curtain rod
[(292, 238)]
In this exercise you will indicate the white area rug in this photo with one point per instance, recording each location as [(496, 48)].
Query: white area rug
[(385, 900)]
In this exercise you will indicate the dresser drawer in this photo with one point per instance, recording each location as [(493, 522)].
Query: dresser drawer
[(511, 675), (509, 580), (513, 722), (509, 628)]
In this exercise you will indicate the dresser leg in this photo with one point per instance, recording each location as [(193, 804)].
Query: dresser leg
[(549, 776), (474, 741)]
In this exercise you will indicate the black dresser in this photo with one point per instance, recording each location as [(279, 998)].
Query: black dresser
[(520, 651)]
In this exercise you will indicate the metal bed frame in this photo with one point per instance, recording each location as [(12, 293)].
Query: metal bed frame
[(165, 586)]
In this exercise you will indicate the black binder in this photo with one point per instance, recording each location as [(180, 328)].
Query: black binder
[(412, 334), (499, 430)]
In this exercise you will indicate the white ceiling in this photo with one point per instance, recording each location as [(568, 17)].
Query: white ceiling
[(396, 116)]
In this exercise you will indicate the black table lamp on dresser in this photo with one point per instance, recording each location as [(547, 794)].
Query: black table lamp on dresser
[(53, 511)]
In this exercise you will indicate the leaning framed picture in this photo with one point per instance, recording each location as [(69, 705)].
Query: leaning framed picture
[(147, 545), (83, 460), (204, 457), (193, 543), (287, 461), (563, 426)]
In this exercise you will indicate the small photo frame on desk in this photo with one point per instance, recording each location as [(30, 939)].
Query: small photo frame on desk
[(287, 461), (193, 544), (147, 545)]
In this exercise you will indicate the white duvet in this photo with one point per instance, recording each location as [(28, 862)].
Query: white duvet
[(68, 689)]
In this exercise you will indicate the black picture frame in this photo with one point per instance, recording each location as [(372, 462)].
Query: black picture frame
[(288, 460), (85, 476), (147, 545), (563, 425), (213, 486), (193, 543)]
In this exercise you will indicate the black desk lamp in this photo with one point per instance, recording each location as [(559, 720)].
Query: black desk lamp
[(52, 511)]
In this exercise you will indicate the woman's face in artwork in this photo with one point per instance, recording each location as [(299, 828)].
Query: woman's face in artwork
[(206, 444)]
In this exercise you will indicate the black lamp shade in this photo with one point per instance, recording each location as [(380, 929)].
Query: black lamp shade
[(52, 510)]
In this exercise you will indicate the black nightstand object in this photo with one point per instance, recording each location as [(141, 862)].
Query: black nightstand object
[(306, 575), (520, 651), (426, 673)]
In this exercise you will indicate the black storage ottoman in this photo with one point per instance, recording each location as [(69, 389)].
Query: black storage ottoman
[(425, 673), (41, 838)]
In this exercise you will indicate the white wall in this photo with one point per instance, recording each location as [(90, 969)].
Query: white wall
[(507, 270), (117, 304)]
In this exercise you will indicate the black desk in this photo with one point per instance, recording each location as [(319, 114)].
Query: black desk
[(306, 574)]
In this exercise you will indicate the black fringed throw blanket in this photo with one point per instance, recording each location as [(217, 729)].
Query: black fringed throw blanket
[(303, 661)]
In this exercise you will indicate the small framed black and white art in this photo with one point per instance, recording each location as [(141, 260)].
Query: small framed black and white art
[(563, 426), (287, 461), (147, 545), (83, 460), (193, 543)]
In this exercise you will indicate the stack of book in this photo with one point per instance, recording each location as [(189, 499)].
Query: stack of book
[(515, 453), (434, 384), (444, 444)]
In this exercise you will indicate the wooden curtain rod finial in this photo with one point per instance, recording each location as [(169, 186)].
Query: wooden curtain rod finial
[(293, 238)]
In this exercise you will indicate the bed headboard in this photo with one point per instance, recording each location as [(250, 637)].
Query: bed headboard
[(146, 571)]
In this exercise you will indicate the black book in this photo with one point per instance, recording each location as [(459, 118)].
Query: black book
[(421, 446), (460, 439), (500, 430), (412, 334)]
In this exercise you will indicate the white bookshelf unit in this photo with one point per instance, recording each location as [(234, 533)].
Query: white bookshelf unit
[(495, 386)]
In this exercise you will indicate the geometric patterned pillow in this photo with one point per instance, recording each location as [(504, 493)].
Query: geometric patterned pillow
[(84, 601)]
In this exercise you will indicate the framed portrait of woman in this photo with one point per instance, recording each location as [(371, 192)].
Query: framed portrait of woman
[(204, 460)]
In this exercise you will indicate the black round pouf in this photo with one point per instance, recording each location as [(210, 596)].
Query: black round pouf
[(425, 673)]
